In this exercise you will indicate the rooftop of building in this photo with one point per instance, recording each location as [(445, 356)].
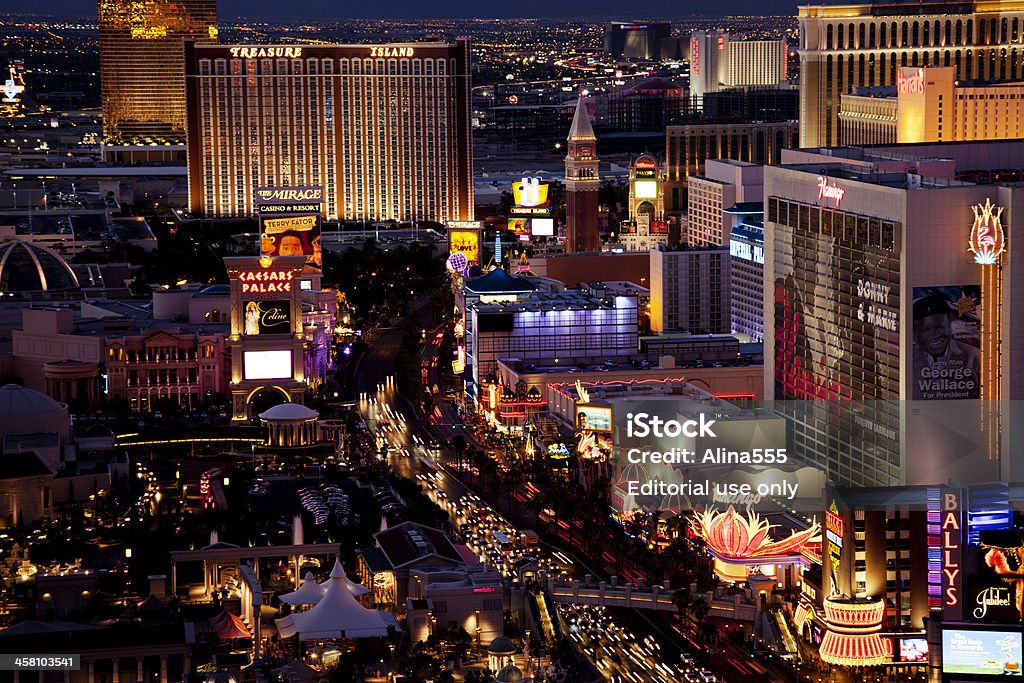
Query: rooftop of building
[(20, 465), (13, 443), (409, 541), (869, 176), (498, 281), (652, 86), (564, 300), (745, 209), (722, 121), (111, 318), (691, 399), (926, 151), (84, 225), (685, 248), (876, 91), (633, 367), (749, 230), (98, 172), (58, 637), (734, 162)]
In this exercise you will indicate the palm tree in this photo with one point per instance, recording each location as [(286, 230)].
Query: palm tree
[(535, 505), (681, 599), (458, 445), (699, 608), (620, 547), (636, 525), (513, 478)]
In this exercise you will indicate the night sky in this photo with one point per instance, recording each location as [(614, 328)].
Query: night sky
[(418, 9)]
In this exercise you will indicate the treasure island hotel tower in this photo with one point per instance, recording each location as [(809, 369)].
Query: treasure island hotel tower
[(844, 46), (385, 130)]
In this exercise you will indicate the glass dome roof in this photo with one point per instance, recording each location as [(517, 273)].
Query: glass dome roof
[(27, 267)]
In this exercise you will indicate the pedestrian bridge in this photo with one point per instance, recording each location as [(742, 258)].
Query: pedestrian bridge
[(565, 591), (605, 594)]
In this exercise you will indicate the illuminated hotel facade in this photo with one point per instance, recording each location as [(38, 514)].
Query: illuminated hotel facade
[(719, 62), (142, 69), (384, 129), (689, 146), (846, 46), (928, 105), (886, 342)]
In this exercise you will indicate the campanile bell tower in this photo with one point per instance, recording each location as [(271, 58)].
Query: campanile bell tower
[(582, 232)]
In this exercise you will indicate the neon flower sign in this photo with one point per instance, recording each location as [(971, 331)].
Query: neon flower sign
[(736, 537), (988, 239)]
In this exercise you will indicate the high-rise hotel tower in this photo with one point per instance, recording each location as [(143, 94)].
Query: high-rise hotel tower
[(141, 66), (383, 129), (845, 46)]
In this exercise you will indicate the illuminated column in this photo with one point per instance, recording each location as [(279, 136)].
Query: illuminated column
[(988, 242)]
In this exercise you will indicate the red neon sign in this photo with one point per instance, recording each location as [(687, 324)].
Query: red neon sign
[(266, 281), (912, 84), (834, 523)]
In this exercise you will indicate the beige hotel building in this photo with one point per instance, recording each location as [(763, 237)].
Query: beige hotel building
[(847, 46), (928, 105), (384, 129)]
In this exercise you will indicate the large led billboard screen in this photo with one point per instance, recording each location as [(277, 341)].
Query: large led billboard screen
[(292, 236), (594, 418), (913, 650), (542, 227), (981, 653), (645, 189), (267, 364), (465, 242)]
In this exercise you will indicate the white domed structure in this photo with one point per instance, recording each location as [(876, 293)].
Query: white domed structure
[(27, 267), (27, 411), (290, 424), (500, 652)]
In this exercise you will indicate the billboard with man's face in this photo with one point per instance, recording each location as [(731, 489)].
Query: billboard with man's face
[(292, 236), (947, 342)]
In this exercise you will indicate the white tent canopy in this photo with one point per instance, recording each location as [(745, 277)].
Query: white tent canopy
[(309, 593), (336, 615)]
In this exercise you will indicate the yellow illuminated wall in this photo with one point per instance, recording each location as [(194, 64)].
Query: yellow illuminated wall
[(929, 106), (142, 67)]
